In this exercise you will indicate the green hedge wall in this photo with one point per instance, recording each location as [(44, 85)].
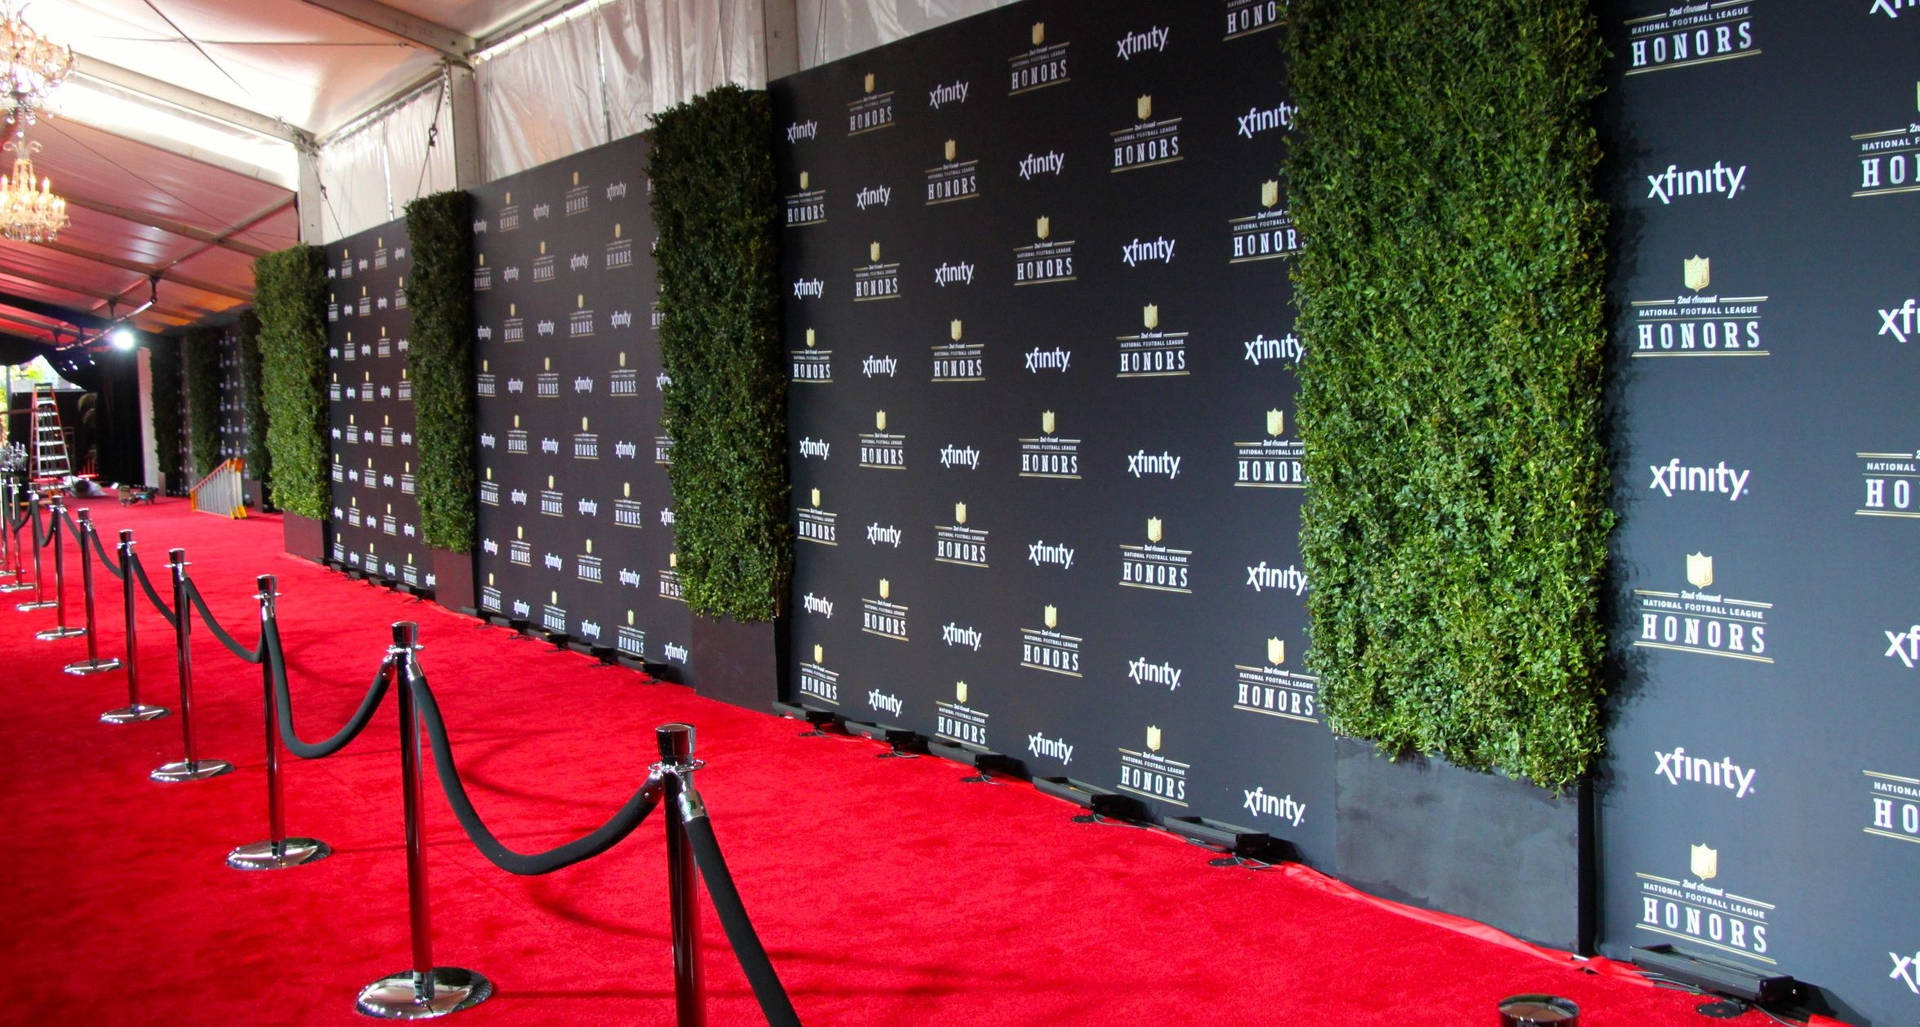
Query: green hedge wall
[(440, 358), (164, 362), (200, 365), (259, 464), (715, 210), (1450, 298), (290, 295)]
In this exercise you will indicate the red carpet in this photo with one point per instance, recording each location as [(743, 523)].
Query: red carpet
[(886, 891)]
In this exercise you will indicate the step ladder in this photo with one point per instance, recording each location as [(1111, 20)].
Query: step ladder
[(50, 463)]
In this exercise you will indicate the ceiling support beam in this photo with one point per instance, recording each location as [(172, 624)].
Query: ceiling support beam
[(106, 297), (77, 318), (410, 29), (164, 274), (199, 103), (223, 240)]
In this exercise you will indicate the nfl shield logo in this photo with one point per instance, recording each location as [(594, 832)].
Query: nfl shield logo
[(960, 691), (1276, 422), (959, 513), (803, 180), (819, 653), (886, 589), (1705, 863), (1150, 316), (626, 489), (953, 329), (1153, 529), (1039, 32), (951, 149), (1051, 617), (809, 338), (1269, 192), (815, 497), (1144, 107), (1699, 570), (869, 82), (576, 178), (673, 561), (1043, 226), (1698, 274), (1276, 651), (1046, 422), (879, 420), (1153, 738), (873, 252)]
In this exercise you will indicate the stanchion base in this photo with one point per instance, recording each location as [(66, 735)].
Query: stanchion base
[(289, 853), (133, 714), (85, 667), (18, 586), (397, 997), (39, 604), (190, 770), (50, 634)]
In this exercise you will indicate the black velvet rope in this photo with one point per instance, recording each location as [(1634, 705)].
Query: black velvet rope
[(140, 573), (606, 836), (17, 513), (277, 662), (39, 539), (73, 528), (112, 565), (253, 655), (733, 918)]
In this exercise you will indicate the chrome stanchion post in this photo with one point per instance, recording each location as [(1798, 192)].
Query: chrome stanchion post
[(426, 990), (60, 628), (9, 541), (134, 710), (39, 600), (93, 664), (188, 769), (278, 850), (689, 997)]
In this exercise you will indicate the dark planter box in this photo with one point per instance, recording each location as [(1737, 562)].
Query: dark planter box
[(453, 579), (305, 538), (1482, 846), (255, 494), (738, 662)]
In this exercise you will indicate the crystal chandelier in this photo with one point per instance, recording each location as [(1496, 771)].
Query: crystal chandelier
[(29, 211)]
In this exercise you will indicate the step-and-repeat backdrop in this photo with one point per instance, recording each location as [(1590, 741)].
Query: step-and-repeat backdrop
[(1045, 462), (375, 523), (1762, 801), (575, 514)]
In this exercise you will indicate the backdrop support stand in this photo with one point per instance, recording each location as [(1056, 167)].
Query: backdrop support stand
[(39, 600), (689, 995), (93, 664), (278, 851), (426, 990), (188, 769), (135, 710)]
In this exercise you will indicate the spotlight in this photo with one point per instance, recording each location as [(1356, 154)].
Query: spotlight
[(121, 339)]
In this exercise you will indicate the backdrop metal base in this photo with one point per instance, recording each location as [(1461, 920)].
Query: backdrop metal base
[(50, 634), (190, 770), (289, 853), (42, 604), (400, 997), (133, 714), (84, 667)]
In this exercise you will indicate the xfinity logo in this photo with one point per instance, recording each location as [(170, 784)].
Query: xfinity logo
[(1055, 359), (798, 131), (515, 386), (487, 440), (1288, 348), (1906, 969), (805, 287), (588, 508), (621, 319), (629, 578), (1048, 163), (590, 629), (1160, 249), (617, 191), (1144, 462), (1891, 8), (1140, 672), (542, 211), (1134, 43), (676, 653), (485, 333), (876, 535), (1290, 577), (1677, 766), (955, 93), (552, 561), (578, 262), (1719, 478), (490, 547), (872, 196), (811, 447), (1041, 553), (628, 450), (879, 700), (479, 228), (954, 634), (1904, 646), (666, 516), (582, 384), (948, 274), (521, 609), (960, 456), (882, 366), (1051, 748), (550, 447), (1898, 322), (1718, 180), (1286, 807), (661, 381), (1257, 120), (517, 497), (817, 604)]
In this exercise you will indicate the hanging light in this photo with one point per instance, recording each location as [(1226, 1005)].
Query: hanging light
[(30, 211)]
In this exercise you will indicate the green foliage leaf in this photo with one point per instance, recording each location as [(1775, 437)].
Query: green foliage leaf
[(715, 208), (1450, 298), (290, 295), (201, 369), (440, 358), (259, 463)]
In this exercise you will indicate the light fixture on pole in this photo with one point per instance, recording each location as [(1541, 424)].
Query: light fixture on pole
[(29, 209)]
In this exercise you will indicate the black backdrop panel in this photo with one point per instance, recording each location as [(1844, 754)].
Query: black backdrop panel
[(375, 525), (1762, 801), (576, 517), (1044, 451)]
